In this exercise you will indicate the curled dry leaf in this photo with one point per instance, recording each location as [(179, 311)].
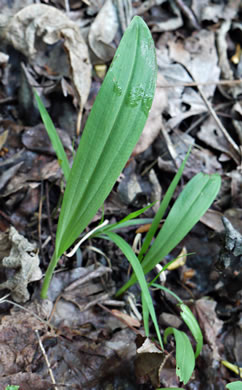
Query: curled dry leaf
[(22, 258), (149, 362), (39, 22), (103, 31), (210, 324)]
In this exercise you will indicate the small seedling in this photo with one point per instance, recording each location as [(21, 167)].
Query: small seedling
[(112, 130)]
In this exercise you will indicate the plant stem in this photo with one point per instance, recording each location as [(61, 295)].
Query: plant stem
[(48, 276)]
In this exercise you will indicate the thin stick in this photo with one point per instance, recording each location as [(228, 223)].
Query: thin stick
[(46, 360), (188, 13), (195, 84), (221, 126), (237, 154), (4, 299)]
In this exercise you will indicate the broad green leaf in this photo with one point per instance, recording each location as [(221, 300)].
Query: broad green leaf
[(196, 197), (234, 385), (54, 137), (185, 360), (134, 261), (111, 132), (162, 209), (192, 324)]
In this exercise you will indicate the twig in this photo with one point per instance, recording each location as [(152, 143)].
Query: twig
[(3, 299), (46, 360), (237, 154), (170, 146), (188, 13), (67, 6), (125, 12), (196, 84), (8, 100)]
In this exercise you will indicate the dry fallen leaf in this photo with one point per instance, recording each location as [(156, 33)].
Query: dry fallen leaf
[(148, 362), (210, 324), (24, 260), (37, 23), (130, 321), (3, 138), (102, 32)]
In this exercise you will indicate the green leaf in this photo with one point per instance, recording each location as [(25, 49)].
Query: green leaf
[(127, 221), (122, 224), (192, 324), (12, 387), (54, 137), (167, 290), (145, 315), (185, 360), (196, 197), (162, 209), (234, 385), (187, 317), (111, 132), (134, 261)]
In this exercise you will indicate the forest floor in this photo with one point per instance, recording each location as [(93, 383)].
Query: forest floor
[(82, 334)]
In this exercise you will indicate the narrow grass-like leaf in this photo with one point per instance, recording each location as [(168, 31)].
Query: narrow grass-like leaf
[(170, 388), (127, 221), (167, 290), (185, 360), (145, 315), (167, 265), (111, 132), (134, 261), (54, 137), (162, 209), (237, 385), (187, 317), (196, 197), (120, 225), (192, 324)]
